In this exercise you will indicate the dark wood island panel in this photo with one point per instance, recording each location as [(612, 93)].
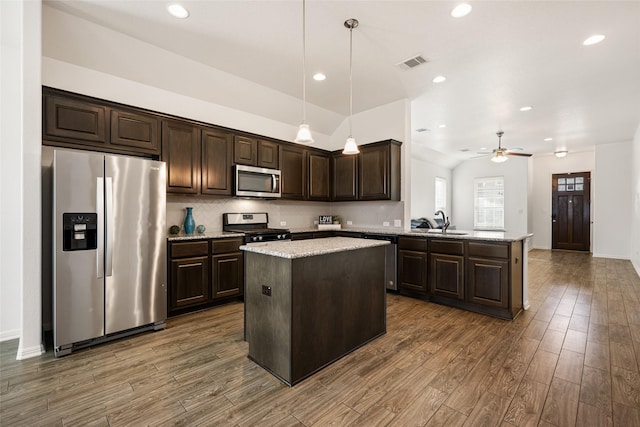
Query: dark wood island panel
[(304, 313)]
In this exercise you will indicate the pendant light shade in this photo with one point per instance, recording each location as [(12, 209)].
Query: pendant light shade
[(350, 146), (499, 157), (304, 133)]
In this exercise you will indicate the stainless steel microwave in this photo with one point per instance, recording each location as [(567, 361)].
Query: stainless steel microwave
[(257, 182)]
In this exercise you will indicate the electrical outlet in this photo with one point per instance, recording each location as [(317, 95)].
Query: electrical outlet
[(385, 224), (397, 223), (283, 223), (349, 222)]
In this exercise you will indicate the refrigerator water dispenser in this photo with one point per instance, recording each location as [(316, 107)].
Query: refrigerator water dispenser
[(79, 231)]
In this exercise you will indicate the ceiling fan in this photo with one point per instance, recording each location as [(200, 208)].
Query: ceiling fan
[(501, 153)]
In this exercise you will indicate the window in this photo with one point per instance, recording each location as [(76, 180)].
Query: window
[(488, 195), (441, 194)]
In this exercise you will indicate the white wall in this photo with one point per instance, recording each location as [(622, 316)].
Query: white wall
[(10, 170), (21, 244), (515, 173), (423, 176), (543, 168), (611, 216), (635, 208)]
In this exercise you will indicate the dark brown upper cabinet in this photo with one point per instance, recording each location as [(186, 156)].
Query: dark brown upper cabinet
[(255, 152), (74, 120), (78, 121), (319, 166), (217, 162), (135, 130), (344, 177), (181, 152), (293, 169), (245, 151), (379, 171), (268, 154)]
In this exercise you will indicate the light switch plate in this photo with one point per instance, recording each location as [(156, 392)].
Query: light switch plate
[(397, 223), (385, 224), (283, 223), (349, 222)]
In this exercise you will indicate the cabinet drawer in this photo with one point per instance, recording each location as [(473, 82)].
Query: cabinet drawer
[(225, 245), (189, 249), (412, 244), (491, 250), (450, 247)]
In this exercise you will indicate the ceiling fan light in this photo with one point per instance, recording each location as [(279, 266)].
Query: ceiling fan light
[(350, 147), (304, 135), (560, 153), (499, 157)]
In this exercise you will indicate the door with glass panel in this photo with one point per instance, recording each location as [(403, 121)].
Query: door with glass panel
[(571, 211)]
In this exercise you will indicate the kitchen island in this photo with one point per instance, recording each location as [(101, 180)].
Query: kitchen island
[(310, 302)]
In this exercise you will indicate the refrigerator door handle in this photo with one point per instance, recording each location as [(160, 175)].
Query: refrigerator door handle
[(100, 211), (110, 224)]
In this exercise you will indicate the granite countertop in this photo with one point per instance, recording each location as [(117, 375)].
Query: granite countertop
[(311, 247), (498, 236), (201, 236)]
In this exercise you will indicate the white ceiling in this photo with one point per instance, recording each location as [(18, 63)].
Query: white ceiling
[(502, 56)]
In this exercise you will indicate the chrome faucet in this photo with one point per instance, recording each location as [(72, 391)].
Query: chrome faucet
[(445, 220)]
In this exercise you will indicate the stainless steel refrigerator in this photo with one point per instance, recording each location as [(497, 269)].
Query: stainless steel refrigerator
[(109, 246)]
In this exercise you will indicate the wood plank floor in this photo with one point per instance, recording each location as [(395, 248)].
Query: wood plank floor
[(572, 359)]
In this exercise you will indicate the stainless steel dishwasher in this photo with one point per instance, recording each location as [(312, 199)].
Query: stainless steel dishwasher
[(391, 270)]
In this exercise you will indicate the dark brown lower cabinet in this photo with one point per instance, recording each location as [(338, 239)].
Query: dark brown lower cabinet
[(203, 273), (227, 273), (447, 275), (481, 276), (488, 282), (412, 265)]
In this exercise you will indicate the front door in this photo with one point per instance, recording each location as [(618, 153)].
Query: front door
[(570, 211)]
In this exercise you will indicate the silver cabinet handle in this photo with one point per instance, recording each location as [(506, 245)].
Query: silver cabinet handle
[(110, 225), (100, 212)]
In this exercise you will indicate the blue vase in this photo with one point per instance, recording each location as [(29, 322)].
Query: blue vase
[(189, 223)]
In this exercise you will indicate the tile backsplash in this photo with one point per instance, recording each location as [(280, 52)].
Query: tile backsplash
[(295, 214)]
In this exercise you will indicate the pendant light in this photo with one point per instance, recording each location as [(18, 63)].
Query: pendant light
[(304, 133), (350, 146)]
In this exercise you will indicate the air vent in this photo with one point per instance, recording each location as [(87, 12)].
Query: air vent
[(464, 150), (422, 130), (410, 63)]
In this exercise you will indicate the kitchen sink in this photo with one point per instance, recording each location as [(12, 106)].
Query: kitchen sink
[(449, 232)]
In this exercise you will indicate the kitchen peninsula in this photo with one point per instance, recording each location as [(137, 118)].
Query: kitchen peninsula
[(310, 302)]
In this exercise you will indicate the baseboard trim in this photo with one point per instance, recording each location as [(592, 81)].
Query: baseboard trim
[(11, 334), (28, 352), (610, 256)]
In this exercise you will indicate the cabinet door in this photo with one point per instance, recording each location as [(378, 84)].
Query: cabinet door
[(268, 154), (189, 282), (245, 151), (412, 271), (293, 172), (181, 152), (488, 281), (374, 173), (318, 176), (344, 177), (446, 277), (135, 130), (74, 120), (227, 271), (217, 158)]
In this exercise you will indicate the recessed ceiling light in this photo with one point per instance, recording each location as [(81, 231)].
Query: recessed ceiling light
[(439, 79), (319, 77), (442, 126), (526, 108), (596, 38), (461, 10), (548, 139), (560, 153), (178, 11), (483, 148)]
